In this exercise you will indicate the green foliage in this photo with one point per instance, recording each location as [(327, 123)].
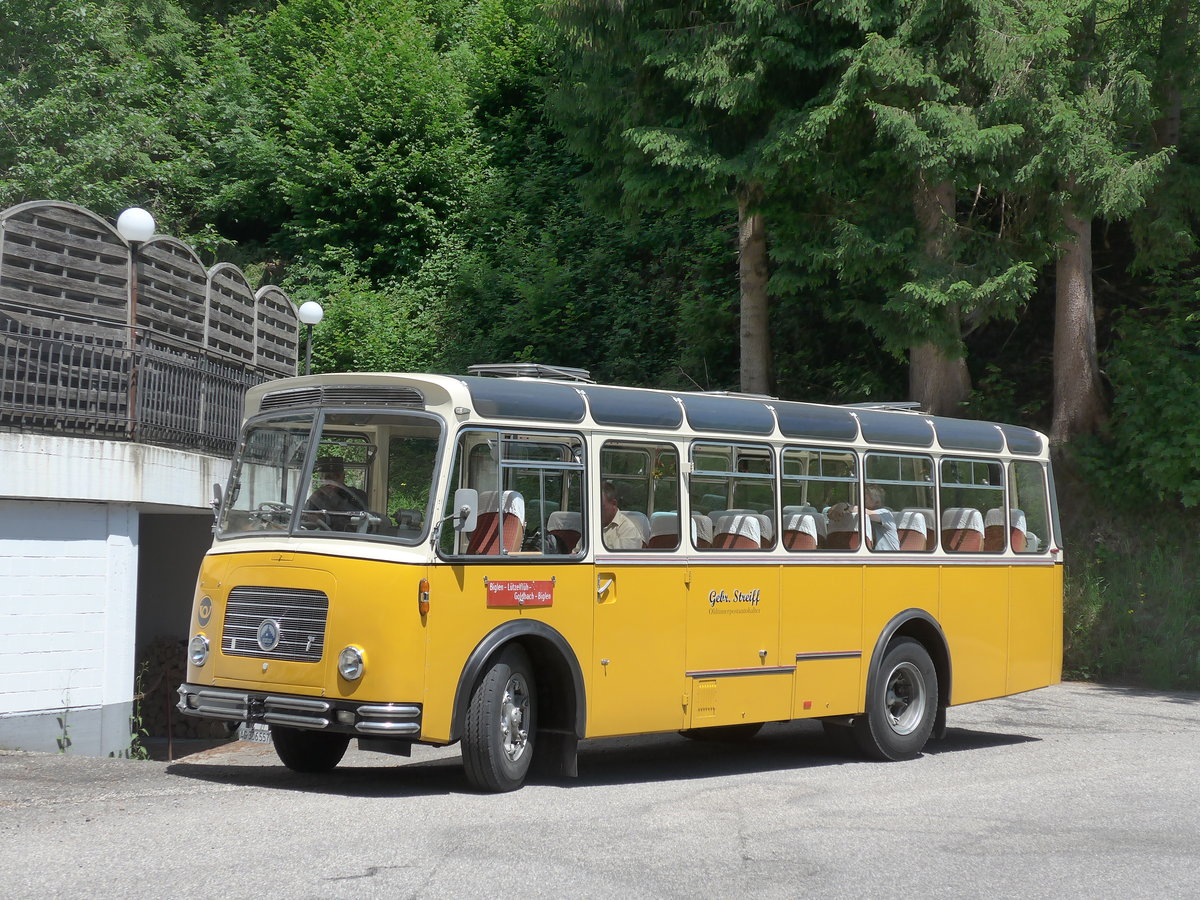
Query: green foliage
[(138, 735), (381, 148), (1131, 614), (85, 114), (1154, 443)]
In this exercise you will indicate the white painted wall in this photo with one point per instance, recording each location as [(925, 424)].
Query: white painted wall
[(69, 515), (50, 467)]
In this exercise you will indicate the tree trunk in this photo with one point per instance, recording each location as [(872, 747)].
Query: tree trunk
[(1078, 394), (752, 277), (938, 380), (1172, 55)]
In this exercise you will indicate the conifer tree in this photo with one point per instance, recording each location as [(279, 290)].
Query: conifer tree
[(682, 106)]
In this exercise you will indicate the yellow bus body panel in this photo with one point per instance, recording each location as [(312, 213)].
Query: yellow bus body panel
[(735, 671), (372, 604), (660, 646), (635, 675), (974, 617), (821, 629), (460, 618), (1035, 631)]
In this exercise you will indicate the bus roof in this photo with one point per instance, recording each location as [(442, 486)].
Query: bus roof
[(550, 401)]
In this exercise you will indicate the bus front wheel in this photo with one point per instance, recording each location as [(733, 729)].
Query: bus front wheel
[(497, 742), (901, 705), (308, 751)]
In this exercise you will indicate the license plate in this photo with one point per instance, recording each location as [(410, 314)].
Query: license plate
[(257, 732)]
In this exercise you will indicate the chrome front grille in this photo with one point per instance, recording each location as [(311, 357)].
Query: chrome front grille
[(298, 618)]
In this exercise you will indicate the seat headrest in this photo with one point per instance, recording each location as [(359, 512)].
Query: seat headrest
[(564, 521), (912, 520), (962, 517), (741, 525), (805, 522)]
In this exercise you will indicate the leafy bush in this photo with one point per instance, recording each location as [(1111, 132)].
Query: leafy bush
[(1154, 367)]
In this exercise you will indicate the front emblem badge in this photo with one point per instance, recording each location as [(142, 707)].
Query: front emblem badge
[(269, 635)]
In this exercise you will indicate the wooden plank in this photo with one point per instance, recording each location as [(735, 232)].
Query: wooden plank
[(174, 283), (92, 263), (61, 305), (14, 277), (88, 241)]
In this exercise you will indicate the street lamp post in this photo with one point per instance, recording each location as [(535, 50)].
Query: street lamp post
[(310, 313), (136, 225)]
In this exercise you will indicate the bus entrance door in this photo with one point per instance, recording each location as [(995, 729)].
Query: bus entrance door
[(638, 649)]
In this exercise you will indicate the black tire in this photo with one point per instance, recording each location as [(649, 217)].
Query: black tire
[(902, 704), (498, 736), (723, 732), (308, 751)]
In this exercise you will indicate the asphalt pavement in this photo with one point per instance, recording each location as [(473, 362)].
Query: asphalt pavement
[(1073, 791)]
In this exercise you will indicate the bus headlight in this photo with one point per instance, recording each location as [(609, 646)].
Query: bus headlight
[(198, 650), (351, 663)]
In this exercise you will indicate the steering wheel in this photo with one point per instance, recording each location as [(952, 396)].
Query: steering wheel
[(271, 512)]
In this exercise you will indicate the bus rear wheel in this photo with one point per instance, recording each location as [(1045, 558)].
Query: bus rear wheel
[(902, 704), (308, 751), (497, 743)]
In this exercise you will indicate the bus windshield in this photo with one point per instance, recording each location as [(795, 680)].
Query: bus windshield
[(339, 474)]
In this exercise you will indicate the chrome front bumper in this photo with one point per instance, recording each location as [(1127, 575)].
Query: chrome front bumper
[(371, 719)]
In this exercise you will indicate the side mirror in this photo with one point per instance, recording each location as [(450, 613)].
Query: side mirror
[(216, 500), (466, 509)]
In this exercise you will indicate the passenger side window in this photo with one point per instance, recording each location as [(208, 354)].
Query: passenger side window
[(820, 499), (639, 496), (898, 503), (1028, 519), (732, 493), (530, 489), (972, 495)]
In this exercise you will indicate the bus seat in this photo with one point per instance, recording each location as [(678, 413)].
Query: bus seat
[(1017, 530), (737, 532), (485, 539), (799, 531), (801, 510), (766, 529), (842, 529), (642, 521), (962, 530), (567, 527), (822, 521), (664, 531), (913, 530), (536, 509), (710, 503), (993, 531), (702, 531), (930, 518)]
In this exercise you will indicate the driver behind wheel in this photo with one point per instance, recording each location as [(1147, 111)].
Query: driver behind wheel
[(333, 497)]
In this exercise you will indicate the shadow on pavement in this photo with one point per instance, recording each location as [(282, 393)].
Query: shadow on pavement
[(602, 762)]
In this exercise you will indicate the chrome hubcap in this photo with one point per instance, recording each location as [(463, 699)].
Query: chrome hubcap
[(905, 698), (514, 717)]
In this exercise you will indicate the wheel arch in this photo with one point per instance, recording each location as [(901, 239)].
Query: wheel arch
[(923, 628), (562, 701)]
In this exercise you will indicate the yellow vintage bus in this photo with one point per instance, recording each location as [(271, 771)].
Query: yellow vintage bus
[(520, 558)]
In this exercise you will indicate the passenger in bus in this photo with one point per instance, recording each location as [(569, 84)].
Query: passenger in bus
[(333, 497), (883, 523), (619, 532)]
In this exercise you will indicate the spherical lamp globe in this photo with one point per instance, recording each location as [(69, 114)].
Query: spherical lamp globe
[(310, 312), (135, 225)]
